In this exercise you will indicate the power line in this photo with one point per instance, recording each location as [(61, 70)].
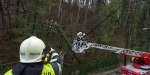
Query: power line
[(105, 18)]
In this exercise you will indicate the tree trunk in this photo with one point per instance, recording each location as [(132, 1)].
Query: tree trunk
[(59, 11), (79, 12), (2, 14), (126, 20), (16, 13), (17, 6), (49, 11), (86, 13), (35, 18), (8, 14), (23, 7)]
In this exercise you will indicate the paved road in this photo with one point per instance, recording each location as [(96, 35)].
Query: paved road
[(116, 71)]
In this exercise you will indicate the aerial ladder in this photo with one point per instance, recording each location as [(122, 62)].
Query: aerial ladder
[(140, 66)]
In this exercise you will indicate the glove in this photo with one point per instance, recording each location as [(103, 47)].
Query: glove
[(51, 50)]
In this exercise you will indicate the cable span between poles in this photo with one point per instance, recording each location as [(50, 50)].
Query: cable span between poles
[(106, 18)]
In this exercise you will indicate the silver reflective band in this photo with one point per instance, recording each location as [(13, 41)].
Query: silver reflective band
[(34, 53), (46, 73), (22, 53)]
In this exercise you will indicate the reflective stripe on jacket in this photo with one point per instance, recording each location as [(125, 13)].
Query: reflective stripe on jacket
[(47, 70)]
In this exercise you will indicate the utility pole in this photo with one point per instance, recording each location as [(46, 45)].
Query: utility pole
[(127, 40)]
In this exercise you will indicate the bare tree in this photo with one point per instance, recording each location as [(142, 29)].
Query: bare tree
[(128, 13), (86, 13), (59, 11), (6, 13), (92, 4), (49, 11), (79, 5), (2, 14)]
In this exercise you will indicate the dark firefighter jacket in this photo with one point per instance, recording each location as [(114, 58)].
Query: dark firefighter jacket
[(52, 68)]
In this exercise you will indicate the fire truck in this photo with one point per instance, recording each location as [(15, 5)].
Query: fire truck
[(140, 66)]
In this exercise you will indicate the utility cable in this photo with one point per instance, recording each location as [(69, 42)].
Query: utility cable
[(105, 18)]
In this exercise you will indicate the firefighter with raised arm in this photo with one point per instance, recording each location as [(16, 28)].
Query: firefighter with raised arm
[(80, 36), (32, 57)]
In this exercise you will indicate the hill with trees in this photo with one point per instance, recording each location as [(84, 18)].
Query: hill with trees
[(120, 23)]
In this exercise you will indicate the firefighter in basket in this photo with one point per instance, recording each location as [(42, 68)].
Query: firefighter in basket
[(79, 42)]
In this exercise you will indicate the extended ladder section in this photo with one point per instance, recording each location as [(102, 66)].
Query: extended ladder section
[(82, 45)]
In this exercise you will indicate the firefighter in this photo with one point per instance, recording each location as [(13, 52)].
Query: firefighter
[(81, 41), (32, 55), (80, 36)]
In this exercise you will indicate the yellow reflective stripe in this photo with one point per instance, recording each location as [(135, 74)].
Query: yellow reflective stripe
[(47, 70), (9, 72)]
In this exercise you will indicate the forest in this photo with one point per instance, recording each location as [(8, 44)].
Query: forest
[(119, 23)]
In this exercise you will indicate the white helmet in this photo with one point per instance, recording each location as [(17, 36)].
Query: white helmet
[(79, 34), (31, 50)]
